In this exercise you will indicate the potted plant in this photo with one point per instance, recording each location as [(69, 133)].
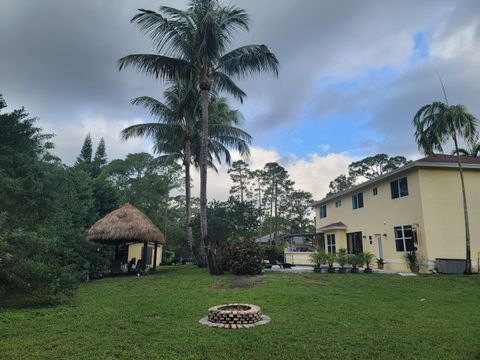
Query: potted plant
[(318, 259), (330, 258), (367, 259), (353, 260), (342, 259), (380, 263), (412, 261)]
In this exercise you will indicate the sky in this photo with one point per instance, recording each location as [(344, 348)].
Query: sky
[(352, 75)]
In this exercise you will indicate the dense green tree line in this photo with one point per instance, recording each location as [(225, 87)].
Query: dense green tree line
[(45, 206)]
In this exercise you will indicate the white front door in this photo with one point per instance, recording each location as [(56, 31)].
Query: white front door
[(379, 245)]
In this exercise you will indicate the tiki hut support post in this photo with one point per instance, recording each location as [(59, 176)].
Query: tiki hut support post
[(155, 257), (144, 254)]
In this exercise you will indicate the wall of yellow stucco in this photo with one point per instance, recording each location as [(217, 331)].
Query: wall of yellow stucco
[(443, 212), (434, 207), (135, 251), (379, 215)]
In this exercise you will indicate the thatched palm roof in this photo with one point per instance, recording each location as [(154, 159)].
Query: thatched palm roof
[(127, 224)]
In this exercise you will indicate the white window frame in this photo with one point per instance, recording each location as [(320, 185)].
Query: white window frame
[(403, 238), (331, 244), (322, 216), (355, 196), (398, 188), (375, 191), (338, 203)]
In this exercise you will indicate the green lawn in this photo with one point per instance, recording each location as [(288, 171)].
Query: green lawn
[(314, 316)]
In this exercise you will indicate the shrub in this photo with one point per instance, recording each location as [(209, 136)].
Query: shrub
[(29, 269), (412, 261), (342, 257), (168, 257), (318, 259), (245, 257), (367, 259), (272, 253), (353, 260), (330, 258)]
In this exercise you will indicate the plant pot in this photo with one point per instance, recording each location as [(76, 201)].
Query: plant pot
[(380, 266), (367, 271), (342, 271), (331, 270)]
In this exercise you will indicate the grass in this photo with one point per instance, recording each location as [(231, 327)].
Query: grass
[(314, 316)]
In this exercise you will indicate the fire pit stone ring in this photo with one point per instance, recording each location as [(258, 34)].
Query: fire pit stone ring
[(234, 316)]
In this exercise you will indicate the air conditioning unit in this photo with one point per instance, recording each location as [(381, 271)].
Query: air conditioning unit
[(450, 266)]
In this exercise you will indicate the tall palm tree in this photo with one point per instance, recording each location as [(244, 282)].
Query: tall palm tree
[(194, 44), (177, 137), (438, 123)]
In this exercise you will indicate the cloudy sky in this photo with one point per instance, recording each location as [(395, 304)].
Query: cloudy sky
[(353, 73)]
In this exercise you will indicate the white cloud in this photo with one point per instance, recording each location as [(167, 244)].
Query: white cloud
[(70, 136), (458, 43), (312, 174)]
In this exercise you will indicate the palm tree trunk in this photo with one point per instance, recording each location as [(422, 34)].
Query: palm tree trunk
[(209, 250), (271, 221), (197, 258), (276, 210), (468, 257)]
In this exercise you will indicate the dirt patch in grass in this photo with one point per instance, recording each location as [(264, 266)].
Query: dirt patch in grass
[(309, 279), (313, 281), (217, 286), (242, 282)]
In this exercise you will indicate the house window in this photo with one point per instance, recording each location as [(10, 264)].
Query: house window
[(323, 211), (404, 239), (338, 203), (399, 188), (357, 201), (375, 191), (331, 247)]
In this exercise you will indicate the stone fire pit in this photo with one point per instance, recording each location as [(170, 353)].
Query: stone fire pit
[(234, 316)]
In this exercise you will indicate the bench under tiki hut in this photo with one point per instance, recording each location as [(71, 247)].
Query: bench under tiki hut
[(128, 225)]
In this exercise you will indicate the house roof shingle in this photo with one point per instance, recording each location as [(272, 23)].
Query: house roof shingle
[(450, 159)]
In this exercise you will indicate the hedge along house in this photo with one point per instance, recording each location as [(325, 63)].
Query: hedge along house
[(128, 225), (416, 207)]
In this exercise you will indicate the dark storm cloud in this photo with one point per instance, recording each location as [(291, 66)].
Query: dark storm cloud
[(313, 39), (58, 58)]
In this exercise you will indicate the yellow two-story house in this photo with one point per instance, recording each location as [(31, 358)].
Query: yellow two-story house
[(416, 207)]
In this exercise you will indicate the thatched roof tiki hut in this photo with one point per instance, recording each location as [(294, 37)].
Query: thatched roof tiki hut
[(128, 225)]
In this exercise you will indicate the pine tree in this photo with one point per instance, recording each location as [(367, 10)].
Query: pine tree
[(240, 174), (86, 152), (100, 158)]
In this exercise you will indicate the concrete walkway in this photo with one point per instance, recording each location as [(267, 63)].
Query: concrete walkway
[(306, 268)]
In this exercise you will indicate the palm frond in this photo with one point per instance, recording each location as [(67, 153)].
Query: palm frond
[(461, 152), (248, 59), (157, 131), (158, 66), (155, 107), (171, 35), (222, 82)]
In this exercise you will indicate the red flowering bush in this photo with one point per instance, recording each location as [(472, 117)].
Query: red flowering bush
[(245, 257)]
